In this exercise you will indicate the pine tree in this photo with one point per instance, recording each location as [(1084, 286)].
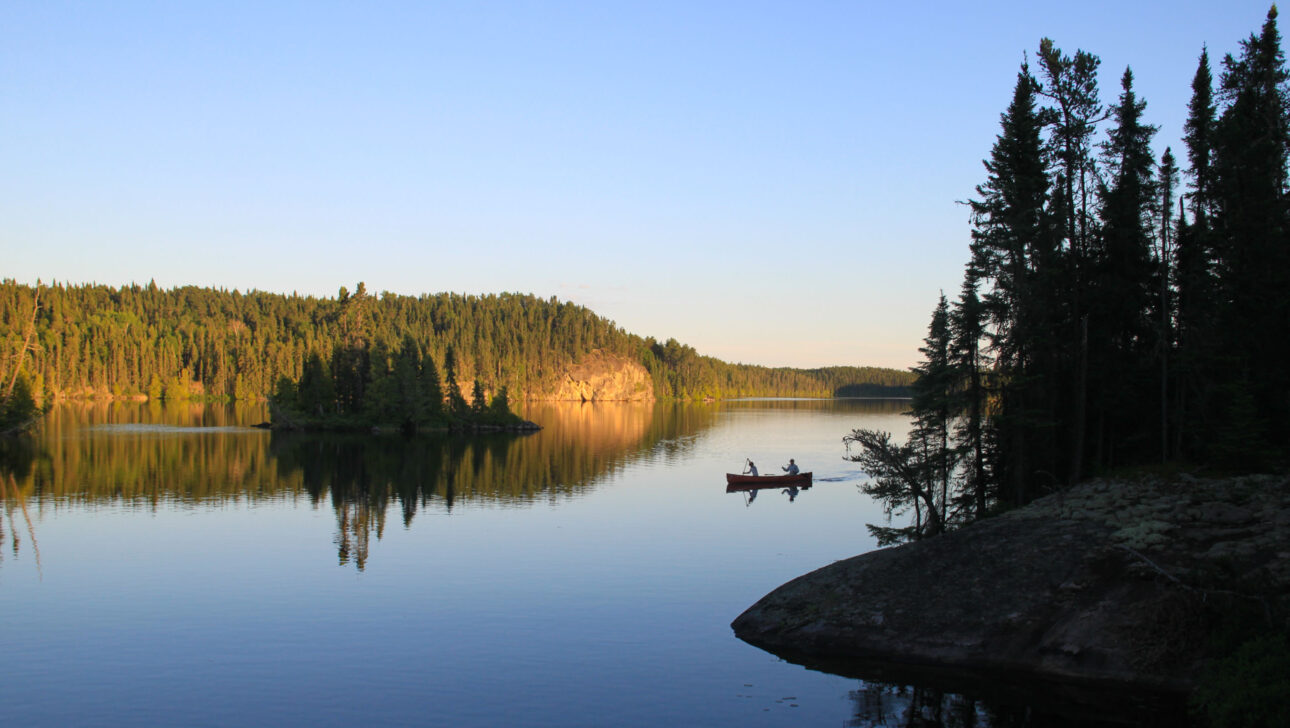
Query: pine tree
[(1071, 86)]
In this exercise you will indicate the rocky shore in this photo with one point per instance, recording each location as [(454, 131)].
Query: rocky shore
[(1113, 582)]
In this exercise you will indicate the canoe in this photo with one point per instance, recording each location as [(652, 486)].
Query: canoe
[(757, 482)]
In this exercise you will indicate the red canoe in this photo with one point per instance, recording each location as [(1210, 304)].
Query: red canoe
[(757, 482)]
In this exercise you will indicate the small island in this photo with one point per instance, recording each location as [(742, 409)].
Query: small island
[(379, 389)]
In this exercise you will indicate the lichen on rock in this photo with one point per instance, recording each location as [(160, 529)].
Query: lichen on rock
[(1105, 582)]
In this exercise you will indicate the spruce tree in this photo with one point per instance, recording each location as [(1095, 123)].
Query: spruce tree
[(457, 406), (1251, 243), (1124, 287), (1164, 257), (1014, 254), (1196, 365), (932, 407), (967, 330)]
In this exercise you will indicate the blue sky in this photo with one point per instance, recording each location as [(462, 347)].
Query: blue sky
[(771, 183)]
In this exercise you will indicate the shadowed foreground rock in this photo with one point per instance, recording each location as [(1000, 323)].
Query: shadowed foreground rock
[(1109, 582)]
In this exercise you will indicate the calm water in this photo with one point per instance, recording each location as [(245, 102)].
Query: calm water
[(176, 567)]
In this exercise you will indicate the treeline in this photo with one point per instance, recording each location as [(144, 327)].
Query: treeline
[(365, 386), (1118, 309), (141, 340)]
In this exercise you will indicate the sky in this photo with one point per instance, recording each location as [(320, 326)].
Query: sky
[(775, 183)]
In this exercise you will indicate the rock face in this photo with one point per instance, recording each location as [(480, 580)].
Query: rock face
[(1106, 582), (602, 376)]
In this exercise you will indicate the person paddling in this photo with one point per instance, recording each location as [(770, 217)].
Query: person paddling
[(752, 468), (791, 468)]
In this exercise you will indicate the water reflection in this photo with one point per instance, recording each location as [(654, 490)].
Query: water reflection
[(507, 618), (892, 694), (749, 488), (913, 706), (906, 705), (146, 455), (17, 455), (363, 476)]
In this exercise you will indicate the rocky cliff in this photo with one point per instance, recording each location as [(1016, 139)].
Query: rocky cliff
[(1108, 582), (603, 376)]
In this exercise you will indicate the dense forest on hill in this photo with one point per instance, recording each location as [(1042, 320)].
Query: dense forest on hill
[(100, 341)]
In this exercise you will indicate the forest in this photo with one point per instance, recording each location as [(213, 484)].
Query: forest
[(1121, 314), (96, 341), (1117, 309)]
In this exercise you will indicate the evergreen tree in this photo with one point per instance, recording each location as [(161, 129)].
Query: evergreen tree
[(967, 330), (1199, 137), (316, 393), (18, 410), (932, 407), (500, 408), (1071, 86), (1197, 292), (1124, 286), (1014, 252), (431, 391), (457, 406), (1250, 225), (919, 474), (1164, 257)]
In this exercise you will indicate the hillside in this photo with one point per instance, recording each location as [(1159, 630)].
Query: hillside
[(129, 341)]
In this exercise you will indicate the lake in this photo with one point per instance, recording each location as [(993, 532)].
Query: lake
[(175, 566)]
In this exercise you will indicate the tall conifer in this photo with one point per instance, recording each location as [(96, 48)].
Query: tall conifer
[(1013, 253), (1250, 226)]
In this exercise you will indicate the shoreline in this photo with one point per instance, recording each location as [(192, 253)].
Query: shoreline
[(1112, 583)]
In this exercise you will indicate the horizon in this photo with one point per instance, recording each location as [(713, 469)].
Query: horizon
[(771, 186)]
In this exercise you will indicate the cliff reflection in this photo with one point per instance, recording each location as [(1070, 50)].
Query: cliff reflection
[(363, 477), (140, 455)]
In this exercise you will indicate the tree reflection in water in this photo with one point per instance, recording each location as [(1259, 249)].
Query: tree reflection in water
[(16, 457), (364, 475), (906, 706), (1003, 704), (149, 455)]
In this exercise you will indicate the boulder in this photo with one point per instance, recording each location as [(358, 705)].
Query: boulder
[(1065, 589)]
